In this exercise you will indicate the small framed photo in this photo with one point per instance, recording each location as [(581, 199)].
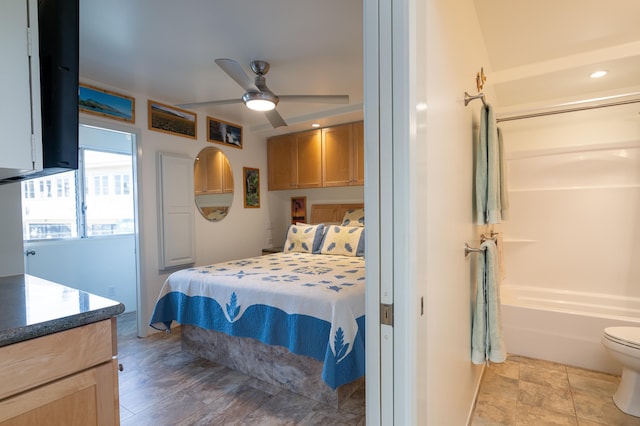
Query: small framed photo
[(298, 210), (224, 133), (106, 103), (169, 119), (251, 187)]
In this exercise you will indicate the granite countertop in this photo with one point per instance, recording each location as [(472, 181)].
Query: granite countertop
[(33, 307)]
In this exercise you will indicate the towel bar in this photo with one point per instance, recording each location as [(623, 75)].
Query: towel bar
[(468, 249), (468, 98)]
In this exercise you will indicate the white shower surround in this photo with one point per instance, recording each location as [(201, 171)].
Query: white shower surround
[(572, 244)]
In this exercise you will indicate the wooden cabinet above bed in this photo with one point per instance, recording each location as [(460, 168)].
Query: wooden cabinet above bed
[(295, 160), (333, 156)]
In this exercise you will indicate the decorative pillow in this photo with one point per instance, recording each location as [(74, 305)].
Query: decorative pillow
[(343, 240), (353, 218), (304, 238)]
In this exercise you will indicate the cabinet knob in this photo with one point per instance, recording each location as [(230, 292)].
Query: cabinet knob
[(120, 367)]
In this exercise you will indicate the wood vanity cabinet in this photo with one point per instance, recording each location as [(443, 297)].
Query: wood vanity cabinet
[(343, 155), (64, 378), (295, 160), (213, 173)]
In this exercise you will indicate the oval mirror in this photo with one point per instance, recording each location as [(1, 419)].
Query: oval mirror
[(213, 182)]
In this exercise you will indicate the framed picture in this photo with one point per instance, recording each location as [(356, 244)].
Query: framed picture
[(224, 133), (251, 187), (105, 103), (169, 119), (298, 210)]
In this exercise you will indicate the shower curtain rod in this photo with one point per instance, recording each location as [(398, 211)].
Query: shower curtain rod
[(562, 111)]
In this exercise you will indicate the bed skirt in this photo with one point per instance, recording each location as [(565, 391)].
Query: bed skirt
[(273, 364)]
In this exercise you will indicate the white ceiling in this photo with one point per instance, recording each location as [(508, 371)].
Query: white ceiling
[(540, 52)]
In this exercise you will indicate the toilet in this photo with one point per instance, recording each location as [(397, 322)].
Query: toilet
[(623, 345)]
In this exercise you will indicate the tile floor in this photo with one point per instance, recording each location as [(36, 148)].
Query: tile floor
[(161, 385), (525, 391)]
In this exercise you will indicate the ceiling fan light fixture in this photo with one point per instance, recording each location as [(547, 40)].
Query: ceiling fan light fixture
[(260, 101)]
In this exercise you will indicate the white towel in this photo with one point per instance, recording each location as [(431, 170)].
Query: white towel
[(487, 343)]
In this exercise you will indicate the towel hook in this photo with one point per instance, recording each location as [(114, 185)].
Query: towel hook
[(468, 250)]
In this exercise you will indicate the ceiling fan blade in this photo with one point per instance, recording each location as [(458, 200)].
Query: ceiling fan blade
[(235, 71), (275, 118), (322, 99), (208, 103)]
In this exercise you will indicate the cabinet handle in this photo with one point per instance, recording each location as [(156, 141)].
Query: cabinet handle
[(120, 367)]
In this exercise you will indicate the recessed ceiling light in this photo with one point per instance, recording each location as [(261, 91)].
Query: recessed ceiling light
[(315, 125), (598, 74)]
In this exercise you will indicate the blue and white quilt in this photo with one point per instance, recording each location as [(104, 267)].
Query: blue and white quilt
[(312, 304)]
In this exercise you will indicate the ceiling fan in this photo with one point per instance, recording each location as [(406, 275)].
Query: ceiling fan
[(257, 95)]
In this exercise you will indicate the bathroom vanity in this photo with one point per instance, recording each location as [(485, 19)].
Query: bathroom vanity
[(58, 354)]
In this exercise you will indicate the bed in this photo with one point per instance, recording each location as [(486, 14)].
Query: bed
[(294, 318)]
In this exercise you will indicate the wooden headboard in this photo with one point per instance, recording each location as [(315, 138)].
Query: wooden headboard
[(331, 213)]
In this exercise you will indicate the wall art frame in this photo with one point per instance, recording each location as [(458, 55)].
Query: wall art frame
[(173, 120), (223, 132), (251, 179), (105, 103)]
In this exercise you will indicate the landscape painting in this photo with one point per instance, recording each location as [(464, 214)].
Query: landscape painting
[(170, 119), (105, 103), (224, 133), (251, 187)]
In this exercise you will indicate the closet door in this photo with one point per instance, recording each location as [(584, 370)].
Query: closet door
[(175, 202)]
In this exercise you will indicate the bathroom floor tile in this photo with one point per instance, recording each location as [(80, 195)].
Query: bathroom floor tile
[(545, 397), (499, 386), (554, 377), (528, 415), (492, 410), (592, 386), (510, 368), (547, 393), (602, 410)]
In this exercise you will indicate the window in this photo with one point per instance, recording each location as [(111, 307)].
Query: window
[(79, 204)]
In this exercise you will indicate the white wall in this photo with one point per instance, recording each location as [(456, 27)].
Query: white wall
[(111, 276), (453, 52)]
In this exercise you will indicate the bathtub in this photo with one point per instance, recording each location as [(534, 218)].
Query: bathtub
[(564, 326)]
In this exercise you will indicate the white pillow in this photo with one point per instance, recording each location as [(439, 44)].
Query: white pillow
[(343, 240), (353, 218), (304, 238)]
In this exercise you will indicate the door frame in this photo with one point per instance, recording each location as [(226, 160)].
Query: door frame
[(390, 112), (136, 185)]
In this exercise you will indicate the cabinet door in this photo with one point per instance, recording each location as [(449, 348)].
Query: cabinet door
[(281, 157), (227, 176), (358, 153), (337, 155), (309, 156), (83, 399), (215, 161), (20, 90), (175, 210)]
